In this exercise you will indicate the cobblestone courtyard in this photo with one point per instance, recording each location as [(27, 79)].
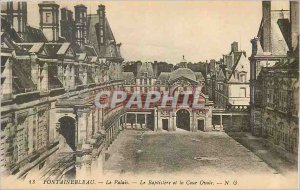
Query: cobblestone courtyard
[(138, 152)]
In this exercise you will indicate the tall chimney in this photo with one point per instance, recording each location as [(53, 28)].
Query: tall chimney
[(15, 13), (102, 21), (63, 12), (235, 47), (67, 28), (81, 24), (266, 5), (294, 17), (49, 22)]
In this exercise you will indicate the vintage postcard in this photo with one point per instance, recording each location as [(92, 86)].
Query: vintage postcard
[(149, 94)]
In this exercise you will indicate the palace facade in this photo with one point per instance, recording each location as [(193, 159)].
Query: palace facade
[(49, 78), (168, 118), (274, 80)]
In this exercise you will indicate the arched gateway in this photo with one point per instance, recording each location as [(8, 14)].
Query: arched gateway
[(67, 130), (183, 119)]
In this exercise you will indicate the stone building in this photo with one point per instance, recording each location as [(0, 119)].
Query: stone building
[(275, 78), (48, 87), (232, 79), (159, 117), (227, 84)]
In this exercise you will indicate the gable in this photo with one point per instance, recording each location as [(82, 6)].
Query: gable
[(70, 52), (221, 75), (43, 52)]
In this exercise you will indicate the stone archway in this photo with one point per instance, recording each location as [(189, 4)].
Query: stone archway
[(183, 119), (67, 130)]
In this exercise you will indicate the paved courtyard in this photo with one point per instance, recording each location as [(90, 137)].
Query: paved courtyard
[(138, 152)]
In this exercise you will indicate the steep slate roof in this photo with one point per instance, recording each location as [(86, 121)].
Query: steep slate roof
[(164, 77), (220, 76), (90, 50), (146, 67), (33, 35), (63, 49), (80, 56), (32, 47), (127, 76), (199, 76), (182, 72), (110, 49), (11, 31), (236, 63), (279, 35)]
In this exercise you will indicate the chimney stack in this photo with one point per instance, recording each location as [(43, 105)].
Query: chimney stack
[(81, 24), (63, 12), (102, 21), (49, 23), (294, 18), (67, 25), (235, 47), (15, 13), (266, 5)]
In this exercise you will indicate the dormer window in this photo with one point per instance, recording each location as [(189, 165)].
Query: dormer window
[(243, 77)]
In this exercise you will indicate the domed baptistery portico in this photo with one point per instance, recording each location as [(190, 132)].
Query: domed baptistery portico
[(185, 116), (183, 104)]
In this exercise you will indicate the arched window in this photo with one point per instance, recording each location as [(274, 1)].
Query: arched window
[(269, 127), (281, 132)]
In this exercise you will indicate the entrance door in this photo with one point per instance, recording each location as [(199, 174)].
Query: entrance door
[(67, 130), (201, 124), (165, 124), (183, 119)]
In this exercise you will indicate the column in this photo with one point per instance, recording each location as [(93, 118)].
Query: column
[(89, 126), (170, 122), (100, 162), (174, 124), (221, 122), (159, 123), (80, 172), (146, 120), (230, 121), (53, 136), (44, 74), (135, 120), (125, 119), (174, 121), (94, 166), (82, 128), (192, 123), (111, 134), (155, 119)]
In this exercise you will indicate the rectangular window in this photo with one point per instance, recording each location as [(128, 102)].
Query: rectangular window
[(243, 78), (243, 92)]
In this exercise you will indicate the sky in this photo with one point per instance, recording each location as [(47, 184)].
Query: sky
[(167, 30)]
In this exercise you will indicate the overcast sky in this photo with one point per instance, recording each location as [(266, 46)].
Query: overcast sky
[(166, 30)]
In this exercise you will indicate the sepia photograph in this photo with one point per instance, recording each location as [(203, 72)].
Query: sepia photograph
[(149, 94)]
